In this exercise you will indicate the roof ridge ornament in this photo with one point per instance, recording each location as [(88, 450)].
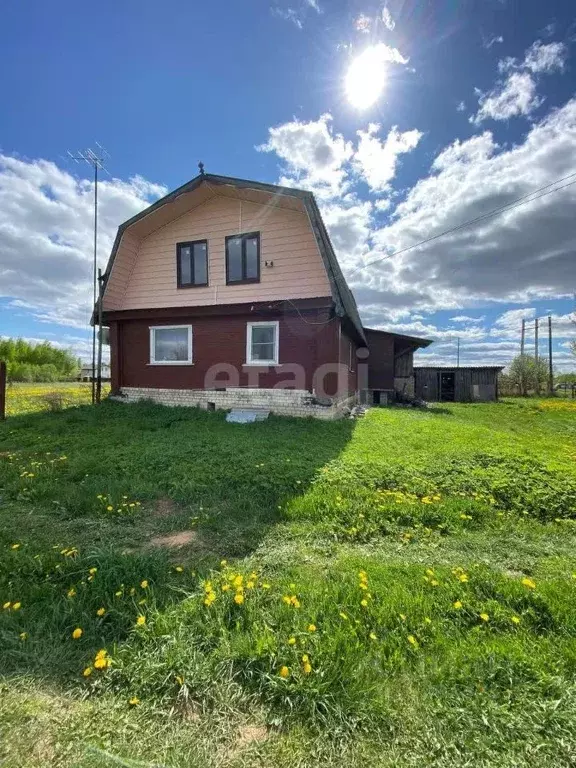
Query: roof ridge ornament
[(201, 167)]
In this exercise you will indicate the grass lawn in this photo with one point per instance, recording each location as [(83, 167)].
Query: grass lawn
[(395, 591)]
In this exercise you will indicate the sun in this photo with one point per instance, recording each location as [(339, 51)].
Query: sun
[(366, 78)]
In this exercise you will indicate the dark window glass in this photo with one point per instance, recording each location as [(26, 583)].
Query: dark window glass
[(171, 344), (192, 263), (243, 258), (263, 342), (234, 255)]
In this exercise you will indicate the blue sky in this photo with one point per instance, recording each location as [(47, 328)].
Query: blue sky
[(405, 118)]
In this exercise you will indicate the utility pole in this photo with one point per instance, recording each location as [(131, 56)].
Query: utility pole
[(99, 315), (550, 369), (523, 337), (536, 355), (96, 160)]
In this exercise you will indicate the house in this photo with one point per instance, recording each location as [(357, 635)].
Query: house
[(462, 384), (228, 293), (86, 373)]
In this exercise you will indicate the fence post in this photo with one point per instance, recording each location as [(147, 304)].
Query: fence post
[(2, 390)]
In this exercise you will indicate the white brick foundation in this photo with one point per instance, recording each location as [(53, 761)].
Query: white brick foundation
[(285, 402)]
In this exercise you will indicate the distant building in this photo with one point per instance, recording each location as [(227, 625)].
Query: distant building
[(86, 373), (464, 384)]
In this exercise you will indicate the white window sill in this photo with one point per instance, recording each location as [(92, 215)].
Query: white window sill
[(172, 362), (261, 364)]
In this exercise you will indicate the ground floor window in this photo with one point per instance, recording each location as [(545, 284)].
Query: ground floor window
[(262, 343), (171, 345)]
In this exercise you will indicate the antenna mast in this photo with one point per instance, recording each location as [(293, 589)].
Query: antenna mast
[(95, 159)]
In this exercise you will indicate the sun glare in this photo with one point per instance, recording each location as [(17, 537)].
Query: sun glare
[(366, 77)]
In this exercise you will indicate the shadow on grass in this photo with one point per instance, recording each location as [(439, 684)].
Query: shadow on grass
[(63, 478)]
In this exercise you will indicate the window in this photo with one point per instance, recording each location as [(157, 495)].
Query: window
[(262, 343), (243, 258), (192, 263), (171, 345)]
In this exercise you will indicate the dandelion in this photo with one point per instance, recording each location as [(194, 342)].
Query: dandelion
[(23, 635), (118, 593), (373, 636), (434, 583), (87, 672), (311, 627), (239, 598), (457, 605), (223, 563), (15, 546), (412, 640), (266, 585), (101, 663), (109, 508), (307, 668), (144, 584), (343, 616), (92, 571), (179, 569), (462, 577), (485, 617), (292, 641), (134, 701), (427, 620), (77, 633), (71, 592), (284, 672), (529, 583), (100, 611), (16, 606), (515, 620), (210, 598), (364, 603), (238, 580), (102, 653), (294, 601), (225, 587), (6, 606), (250, 585), (140, 620)]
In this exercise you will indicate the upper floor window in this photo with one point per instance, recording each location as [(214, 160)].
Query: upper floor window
[(192, 263), (243, 258)]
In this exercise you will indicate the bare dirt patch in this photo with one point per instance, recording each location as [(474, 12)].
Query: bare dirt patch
[(174, 540), (165, 507)]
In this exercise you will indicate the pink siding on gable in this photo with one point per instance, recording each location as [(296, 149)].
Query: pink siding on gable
[(144, 272)]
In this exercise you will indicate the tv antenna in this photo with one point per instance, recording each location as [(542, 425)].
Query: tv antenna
[(95, 158)]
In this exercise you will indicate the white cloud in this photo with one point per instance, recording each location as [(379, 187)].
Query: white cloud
[(313, 155), (389, 22), (516, 93), (509, 325), (46, 220), (467, 319), (461, 107), (545, 57), (518, 256), (489, 42), (289, 14), (363, 23), (296, 15), (515, 96), (376, 161), (314, 4)]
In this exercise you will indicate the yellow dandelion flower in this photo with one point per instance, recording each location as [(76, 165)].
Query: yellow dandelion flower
[(238, 580), (239, 598), (102, 653), (307, 668), (77, 633), (434, 583), (427, 620), (101, 663), (92, 571), (485, 617), (286, 599), (16, 606), (223, 563), (291, 641), (179, 569), (457, 604), (23, 635), (343, 616), (266, 585), (284, 672), (71, 592), (364, 603), (250, 585), (134, 701), (100, 611), (87, 672), (311, 627), (463, 578), (6, 605), (140, 620), (373, 636), (144, 584), (225, 587), (515, 620), (109, 508), (118, 593), (15, 546), (412, 640), (429, 572), (530, 583)]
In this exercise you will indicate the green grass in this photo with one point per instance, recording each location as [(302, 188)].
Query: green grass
[(413, 572)]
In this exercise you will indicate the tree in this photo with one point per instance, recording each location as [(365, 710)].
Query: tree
[(37, 362), (526, 373)]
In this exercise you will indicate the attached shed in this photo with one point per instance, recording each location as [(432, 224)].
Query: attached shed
[(390, 365), (463, 385)]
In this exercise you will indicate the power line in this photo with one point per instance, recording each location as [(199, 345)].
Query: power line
[(534, 195)]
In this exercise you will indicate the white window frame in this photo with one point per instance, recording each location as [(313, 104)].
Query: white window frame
[(153, 329), (276, 325)]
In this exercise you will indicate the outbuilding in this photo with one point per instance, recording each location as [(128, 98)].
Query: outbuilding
[(463, 384)]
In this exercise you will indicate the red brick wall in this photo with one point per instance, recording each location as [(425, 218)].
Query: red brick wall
[(309, 338)]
